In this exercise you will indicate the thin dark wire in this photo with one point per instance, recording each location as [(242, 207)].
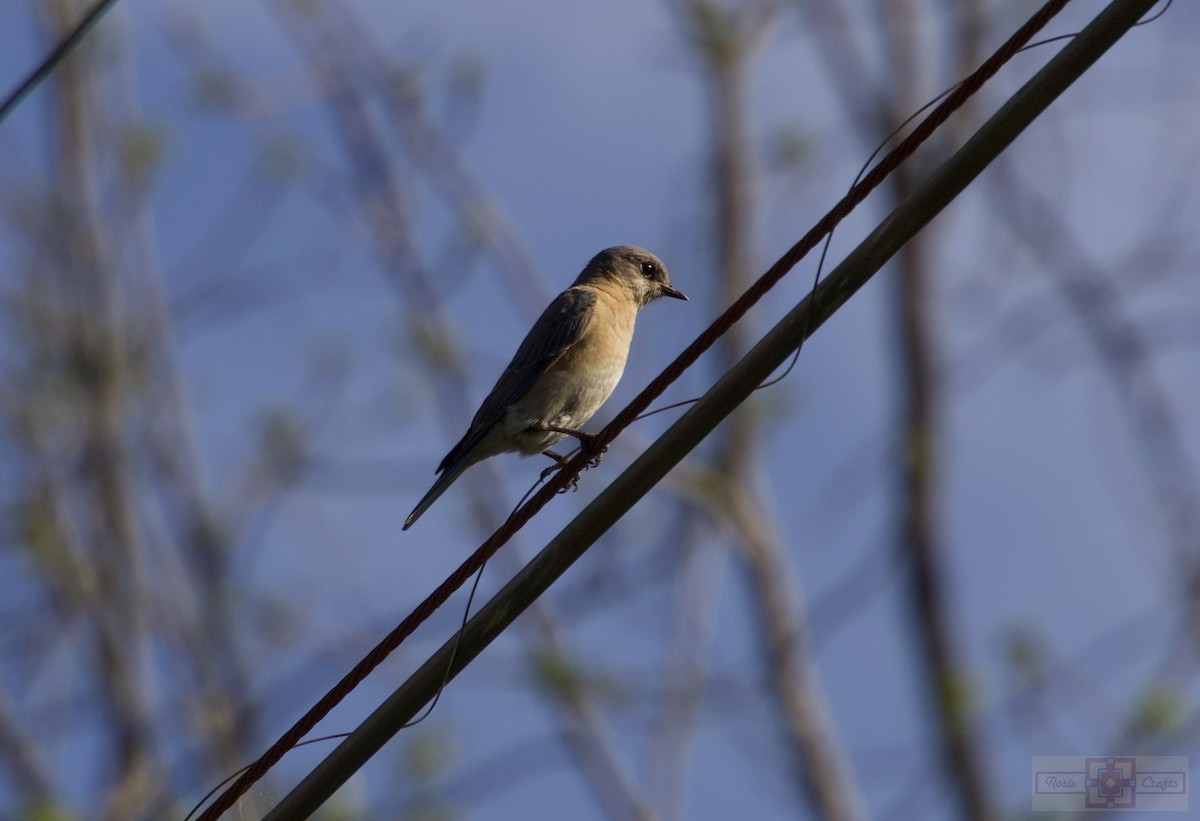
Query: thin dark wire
[(441, 688), (453, 653), (210, 793), (436, 698), (433, 703), (55, 57), (857, 178), (428, 710)]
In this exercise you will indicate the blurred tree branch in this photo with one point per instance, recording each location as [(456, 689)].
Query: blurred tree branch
[(878, 107), (724, 41)]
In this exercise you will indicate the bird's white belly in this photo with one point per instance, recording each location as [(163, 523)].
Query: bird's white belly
[(564, 397)]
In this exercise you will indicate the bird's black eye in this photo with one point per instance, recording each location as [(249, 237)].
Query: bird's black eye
[(649, 269)]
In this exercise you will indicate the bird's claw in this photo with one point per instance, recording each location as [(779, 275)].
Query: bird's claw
[(573, 484), (589, 448), (594, 454), (587, 445)]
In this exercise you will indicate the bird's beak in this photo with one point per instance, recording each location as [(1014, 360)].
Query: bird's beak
[(673, 292)]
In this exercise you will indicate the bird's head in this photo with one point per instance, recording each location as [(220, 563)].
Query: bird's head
[(636, 270)]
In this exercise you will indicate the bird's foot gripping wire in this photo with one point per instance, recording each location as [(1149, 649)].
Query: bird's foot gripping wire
[(593, 451), (560, 462), (587, 445)]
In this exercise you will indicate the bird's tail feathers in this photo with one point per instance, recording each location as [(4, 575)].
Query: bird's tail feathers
[(448, 474)]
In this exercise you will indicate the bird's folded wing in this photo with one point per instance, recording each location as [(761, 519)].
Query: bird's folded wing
[(559, 327)]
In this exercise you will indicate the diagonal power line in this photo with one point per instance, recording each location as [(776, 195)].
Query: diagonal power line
[(910, 216), (56, 56)]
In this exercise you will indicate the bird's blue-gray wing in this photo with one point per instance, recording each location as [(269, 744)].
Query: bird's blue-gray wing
[(556, 330)]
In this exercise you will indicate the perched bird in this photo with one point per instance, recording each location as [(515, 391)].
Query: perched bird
[(568, 364)]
